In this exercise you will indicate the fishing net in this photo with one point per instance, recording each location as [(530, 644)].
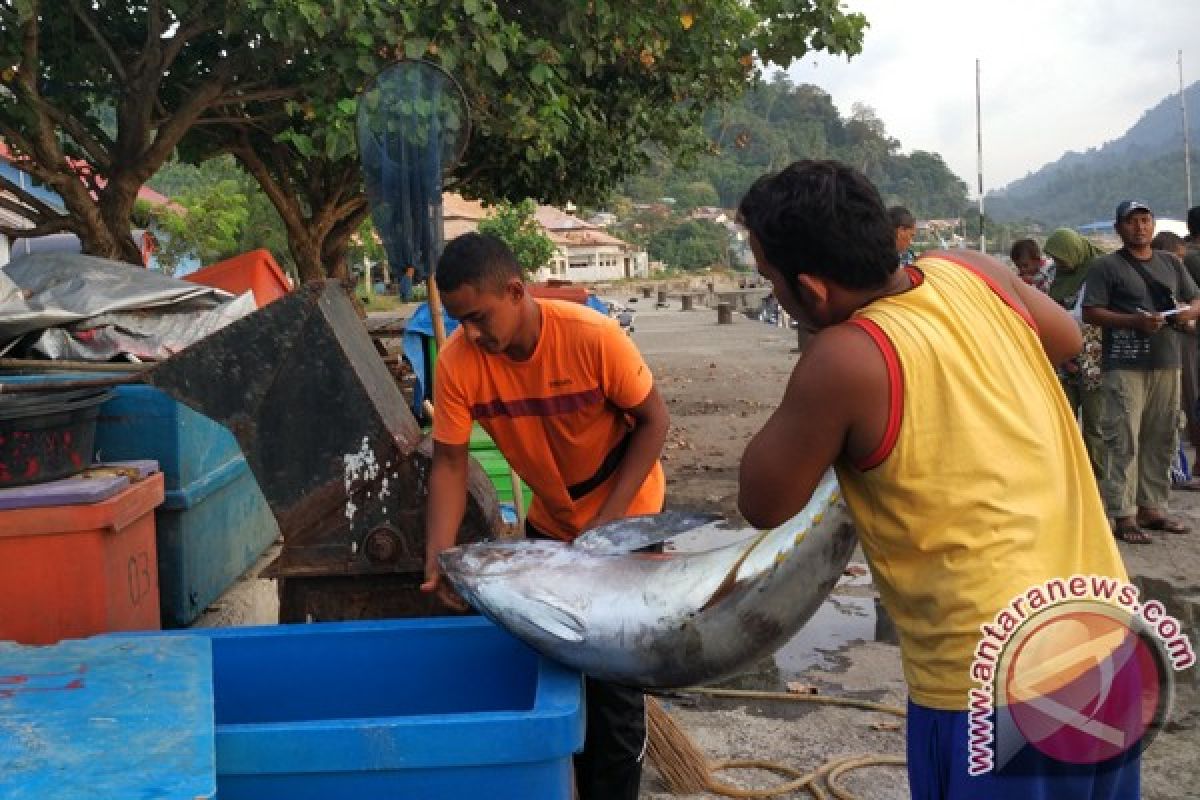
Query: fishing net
[(412, 127)]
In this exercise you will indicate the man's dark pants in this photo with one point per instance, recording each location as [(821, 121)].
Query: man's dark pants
[(610, 766)]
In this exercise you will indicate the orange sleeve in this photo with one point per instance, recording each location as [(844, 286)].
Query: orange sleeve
[(451, 408), (627, 379)]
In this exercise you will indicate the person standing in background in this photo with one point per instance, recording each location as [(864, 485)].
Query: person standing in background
[(905, 225), (1171, 243), (1031, 266), (1191, 262), (1081, 376), (406, 283), (1128, 294)]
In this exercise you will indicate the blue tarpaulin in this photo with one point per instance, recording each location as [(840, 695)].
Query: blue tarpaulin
[(418, 332)]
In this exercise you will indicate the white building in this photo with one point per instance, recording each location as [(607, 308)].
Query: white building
[(586, 252), (583, 251)]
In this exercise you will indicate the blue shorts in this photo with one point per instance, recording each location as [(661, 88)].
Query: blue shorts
[(938, 754)]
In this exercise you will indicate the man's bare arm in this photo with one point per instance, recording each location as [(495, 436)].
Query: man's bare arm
[(1107, 318), (444, 513), (835, 401), (650, 420)]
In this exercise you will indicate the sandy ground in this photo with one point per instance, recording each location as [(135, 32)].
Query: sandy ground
[(720, 383)]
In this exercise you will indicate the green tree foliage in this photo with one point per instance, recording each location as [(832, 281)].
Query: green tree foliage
[(243, 218), (516, 225), (365, 246), (207, 226), (694, 194), (690, 245), (776, 123), (1079, 194), (1146, 162), (564, 94), (95, 97)]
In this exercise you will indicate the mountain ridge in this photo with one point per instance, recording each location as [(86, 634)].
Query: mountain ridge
[(1083, 187)]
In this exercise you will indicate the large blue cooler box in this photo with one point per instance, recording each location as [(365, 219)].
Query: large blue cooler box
[(106, 718), (431, 709), (440, 708), (215, 521)]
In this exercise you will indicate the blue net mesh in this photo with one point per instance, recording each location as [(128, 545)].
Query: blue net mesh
[(412, 127)]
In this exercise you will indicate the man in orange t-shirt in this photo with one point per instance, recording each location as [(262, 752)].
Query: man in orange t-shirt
[(572, 406)]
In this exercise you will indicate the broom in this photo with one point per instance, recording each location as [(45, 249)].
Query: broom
[(683, 765), (686, 770)]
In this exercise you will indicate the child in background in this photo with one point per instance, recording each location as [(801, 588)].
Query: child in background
[(1031, 266)]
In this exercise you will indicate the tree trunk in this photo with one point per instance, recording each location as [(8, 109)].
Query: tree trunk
[(334, 258), (320, 215), (307, 253)]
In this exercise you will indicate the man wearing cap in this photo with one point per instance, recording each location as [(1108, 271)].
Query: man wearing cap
[(1139, 297)]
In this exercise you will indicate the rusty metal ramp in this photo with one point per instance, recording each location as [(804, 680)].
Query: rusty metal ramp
[(333, 446)]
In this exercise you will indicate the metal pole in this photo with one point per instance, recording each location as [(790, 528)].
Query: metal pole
[(979, 144), (1187, 159), (21, 184), (435, 311)]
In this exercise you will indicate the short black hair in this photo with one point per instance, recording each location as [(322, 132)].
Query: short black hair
[(1193, 221), (1024, 247), (1165, 240), (822, 218), (480, 259), (902, 217)]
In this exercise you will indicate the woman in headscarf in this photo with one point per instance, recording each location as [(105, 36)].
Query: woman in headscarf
[(1073, 256)]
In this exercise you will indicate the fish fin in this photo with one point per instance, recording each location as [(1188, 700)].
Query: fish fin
[(558, 620), (630, 534)]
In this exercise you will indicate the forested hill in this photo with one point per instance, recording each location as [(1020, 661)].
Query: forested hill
[(1147, 163), (777, 123)]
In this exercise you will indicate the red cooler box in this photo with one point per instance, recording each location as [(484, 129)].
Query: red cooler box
[(72, 570)]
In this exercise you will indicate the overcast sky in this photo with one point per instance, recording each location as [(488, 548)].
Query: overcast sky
[(1056, 75)]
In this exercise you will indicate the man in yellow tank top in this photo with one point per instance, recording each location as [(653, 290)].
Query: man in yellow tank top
[(931, 389)]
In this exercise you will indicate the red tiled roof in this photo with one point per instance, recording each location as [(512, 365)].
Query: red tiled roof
[(454, 206), (84, 168)]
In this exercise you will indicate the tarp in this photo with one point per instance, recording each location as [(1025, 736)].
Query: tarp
[(418, 331), (95, 309)]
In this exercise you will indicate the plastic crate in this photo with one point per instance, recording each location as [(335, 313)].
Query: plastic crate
[(436, 708), (255, 271), (495, 466), (209, 533), (70, 571), (144, 422)]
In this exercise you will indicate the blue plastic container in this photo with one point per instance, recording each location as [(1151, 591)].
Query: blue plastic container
[(214, 522), (209, 533), (191, 449), (435, 709), (107, 717)]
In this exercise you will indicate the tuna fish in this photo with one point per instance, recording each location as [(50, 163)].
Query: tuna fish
[(661, 620)]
